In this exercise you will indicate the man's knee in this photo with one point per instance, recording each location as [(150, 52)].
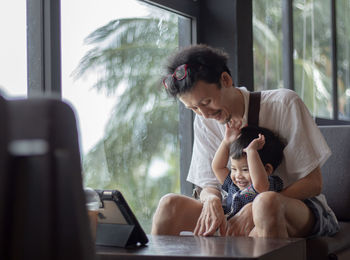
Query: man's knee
[(269, 215), (167, 208), (164, 214), (267, 205), (169, 218)]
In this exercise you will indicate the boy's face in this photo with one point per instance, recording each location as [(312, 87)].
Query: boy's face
[(240, 173)]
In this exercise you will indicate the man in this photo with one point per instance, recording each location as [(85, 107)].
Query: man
[(199, 77)]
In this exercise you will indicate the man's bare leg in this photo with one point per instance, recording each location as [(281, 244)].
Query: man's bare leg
[(276, 215), (175, 213)]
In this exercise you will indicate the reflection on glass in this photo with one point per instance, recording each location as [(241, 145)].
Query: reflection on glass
[(267, 44), (13, 49), (343, 49), (312, 55), (111, 60)]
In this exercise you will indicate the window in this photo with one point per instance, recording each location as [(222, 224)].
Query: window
[(267, 48), (320, 67), (111, 61), (312, 55), (13, 48), (343, 49)]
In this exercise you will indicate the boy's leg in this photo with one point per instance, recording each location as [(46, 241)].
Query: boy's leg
[(276, 215), (175, 213)]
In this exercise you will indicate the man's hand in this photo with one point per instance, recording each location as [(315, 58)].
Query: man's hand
[(242, 223), (232, 131), (211, 218)]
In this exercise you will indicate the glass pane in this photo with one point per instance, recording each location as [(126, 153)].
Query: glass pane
[(312, 55), (267, 44), (343, 49), (111, 61), (13, 49)]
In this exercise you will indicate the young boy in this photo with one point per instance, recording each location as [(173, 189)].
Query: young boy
[(255, 153)]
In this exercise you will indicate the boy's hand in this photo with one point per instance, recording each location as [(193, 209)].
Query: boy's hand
[(233, 129), (256, 144)]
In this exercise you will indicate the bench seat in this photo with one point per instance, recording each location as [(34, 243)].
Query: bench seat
[(336, 188)]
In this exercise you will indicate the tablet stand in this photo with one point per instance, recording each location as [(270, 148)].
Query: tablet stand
[(120, 235)]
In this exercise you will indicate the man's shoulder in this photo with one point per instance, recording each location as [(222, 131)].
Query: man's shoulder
[(280, 93), (280, 96)]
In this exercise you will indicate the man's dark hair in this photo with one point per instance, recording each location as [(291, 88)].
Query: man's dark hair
[(272, 152), (203, 63)]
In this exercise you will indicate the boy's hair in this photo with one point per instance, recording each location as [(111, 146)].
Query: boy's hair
[(271, 153), (203, 63)]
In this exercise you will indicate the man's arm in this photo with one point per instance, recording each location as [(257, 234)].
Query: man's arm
[(307, 187), (212, 215)]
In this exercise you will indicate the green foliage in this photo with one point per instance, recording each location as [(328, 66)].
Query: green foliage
[(267, 44), (312, 51), (312, 57), (127, 54), (343, 56)]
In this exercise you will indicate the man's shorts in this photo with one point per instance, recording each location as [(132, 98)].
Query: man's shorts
[(326, 223)]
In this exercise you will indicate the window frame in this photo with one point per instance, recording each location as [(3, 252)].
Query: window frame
[(44, 48)]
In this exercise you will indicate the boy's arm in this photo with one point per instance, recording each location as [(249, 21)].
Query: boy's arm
[(257, 170), (222, 155), (219, 163)]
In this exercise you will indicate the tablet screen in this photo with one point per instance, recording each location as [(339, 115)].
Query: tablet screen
[(111, 213)]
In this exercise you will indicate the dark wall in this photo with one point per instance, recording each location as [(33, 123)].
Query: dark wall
[(227, 24)]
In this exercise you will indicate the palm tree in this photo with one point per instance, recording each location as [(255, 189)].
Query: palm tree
[(127, 54)]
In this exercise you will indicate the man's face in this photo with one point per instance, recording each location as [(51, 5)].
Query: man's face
[(207, 100)]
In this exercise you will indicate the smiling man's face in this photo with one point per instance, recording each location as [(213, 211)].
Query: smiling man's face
[(208, 100)]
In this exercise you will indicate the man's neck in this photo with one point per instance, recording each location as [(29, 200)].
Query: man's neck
[(240, 100)]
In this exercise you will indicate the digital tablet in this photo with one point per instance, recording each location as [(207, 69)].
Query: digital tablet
[(117, 225)]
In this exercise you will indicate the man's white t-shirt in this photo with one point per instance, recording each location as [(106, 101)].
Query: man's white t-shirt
[(283, 112)]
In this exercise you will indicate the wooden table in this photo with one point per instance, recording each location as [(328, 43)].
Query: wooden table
[(190, 247)]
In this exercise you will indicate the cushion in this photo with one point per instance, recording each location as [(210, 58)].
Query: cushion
[(336, 170), (321, 247)]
